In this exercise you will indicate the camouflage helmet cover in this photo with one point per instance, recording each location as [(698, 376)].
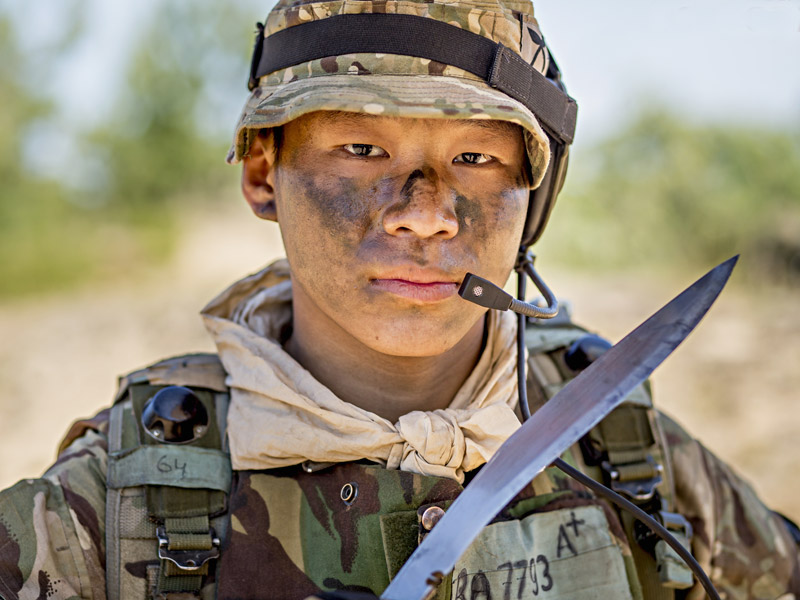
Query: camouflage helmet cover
[(395, 85)]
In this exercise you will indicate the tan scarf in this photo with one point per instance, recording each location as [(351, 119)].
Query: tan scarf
[(280, 415)]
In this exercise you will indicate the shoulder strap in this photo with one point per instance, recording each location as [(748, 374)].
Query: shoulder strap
[(166, 502), (627, 450)]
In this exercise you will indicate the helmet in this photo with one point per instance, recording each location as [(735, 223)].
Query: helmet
[(463, 59)]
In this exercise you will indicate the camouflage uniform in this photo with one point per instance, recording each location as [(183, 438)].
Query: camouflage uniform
[(292, 531), (293, 528)]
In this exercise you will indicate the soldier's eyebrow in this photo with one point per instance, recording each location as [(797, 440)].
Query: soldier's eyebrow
[(491, 125)]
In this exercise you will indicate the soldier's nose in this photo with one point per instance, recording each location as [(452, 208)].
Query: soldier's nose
[(424, 207)]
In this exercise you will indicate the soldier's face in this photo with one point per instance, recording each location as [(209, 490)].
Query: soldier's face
[(382, 217)]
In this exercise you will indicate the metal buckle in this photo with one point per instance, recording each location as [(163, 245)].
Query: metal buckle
[(188, 560), (638, 490)]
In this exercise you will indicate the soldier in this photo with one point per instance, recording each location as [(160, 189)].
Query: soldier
[(354, 394)]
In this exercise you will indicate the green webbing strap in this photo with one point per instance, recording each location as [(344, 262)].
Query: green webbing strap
[(113, 503), (637, 471), (184, 539), (646, 567), (165, 501), (628, 439), (630, 442), (187, 584), (626, 429), (177, 466)]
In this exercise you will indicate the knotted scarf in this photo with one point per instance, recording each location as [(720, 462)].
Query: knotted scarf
[(280, 415)]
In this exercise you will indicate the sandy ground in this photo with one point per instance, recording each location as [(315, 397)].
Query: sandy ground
[(734, 383)]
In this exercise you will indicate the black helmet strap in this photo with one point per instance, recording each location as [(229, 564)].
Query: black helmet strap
[(409, 35)]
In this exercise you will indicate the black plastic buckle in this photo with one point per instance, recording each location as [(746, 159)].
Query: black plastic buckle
[(638, 490), (188, 560)]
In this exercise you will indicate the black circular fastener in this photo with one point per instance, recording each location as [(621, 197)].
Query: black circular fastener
[(585, 350), (175, 415), (349, 493)]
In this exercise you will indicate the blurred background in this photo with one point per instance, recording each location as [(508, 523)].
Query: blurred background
[(119, 218)]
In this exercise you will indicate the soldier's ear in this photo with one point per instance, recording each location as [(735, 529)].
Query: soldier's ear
[(258, 176)]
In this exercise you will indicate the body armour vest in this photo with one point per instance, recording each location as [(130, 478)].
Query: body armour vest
[(178, 527)]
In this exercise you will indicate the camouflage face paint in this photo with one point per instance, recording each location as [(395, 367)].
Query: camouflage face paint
[(409, 184), (469, 212), (340, 205), (405, 209)]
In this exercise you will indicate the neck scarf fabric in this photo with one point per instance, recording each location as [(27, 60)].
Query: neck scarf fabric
[(280, 415)]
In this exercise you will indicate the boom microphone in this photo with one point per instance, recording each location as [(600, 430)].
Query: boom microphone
[(484, 293)]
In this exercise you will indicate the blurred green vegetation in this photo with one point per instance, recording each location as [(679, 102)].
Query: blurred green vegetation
[(111, 203), (666, 193), (35, 220), (661, 192)]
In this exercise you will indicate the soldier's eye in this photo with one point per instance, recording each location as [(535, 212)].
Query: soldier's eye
[(472, 158), (365, 150)]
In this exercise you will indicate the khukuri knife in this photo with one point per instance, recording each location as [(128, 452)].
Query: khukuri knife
[(569, 415)]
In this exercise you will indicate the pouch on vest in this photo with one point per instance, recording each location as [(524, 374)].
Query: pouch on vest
[(560, 555), (166, 501)]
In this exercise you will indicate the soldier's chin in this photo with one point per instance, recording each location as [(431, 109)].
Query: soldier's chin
[(416, 338)]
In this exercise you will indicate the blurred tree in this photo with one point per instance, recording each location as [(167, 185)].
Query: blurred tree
[(34, 215), (165, 139), (664, 192), (160, 151)]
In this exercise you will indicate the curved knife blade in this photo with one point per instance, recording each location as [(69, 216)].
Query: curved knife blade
[(569, 415)]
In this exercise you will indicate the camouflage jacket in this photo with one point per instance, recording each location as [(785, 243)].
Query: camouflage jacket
[(293, 531)]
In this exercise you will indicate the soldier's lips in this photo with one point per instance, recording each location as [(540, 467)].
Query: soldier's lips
[(431, 291)]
